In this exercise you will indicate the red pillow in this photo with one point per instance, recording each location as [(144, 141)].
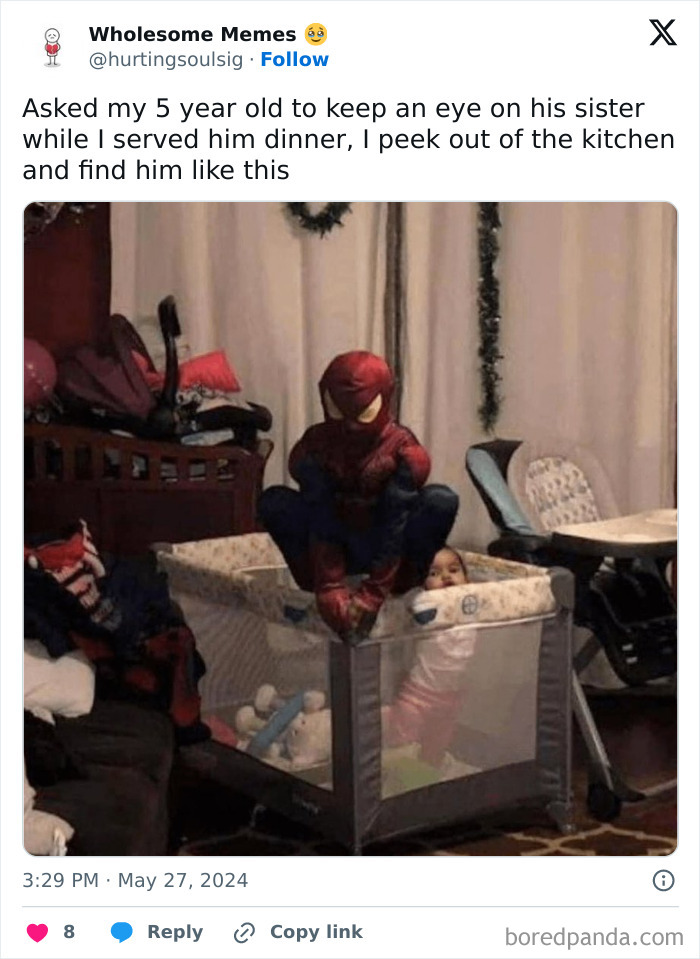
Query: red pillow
[(211, 370)]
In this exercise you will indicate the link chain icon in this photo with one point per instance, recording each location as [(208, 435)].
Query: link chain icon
[(244, 932)]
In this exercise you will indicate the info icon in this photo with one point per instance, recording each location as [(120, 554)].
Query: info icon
[(663, 880)]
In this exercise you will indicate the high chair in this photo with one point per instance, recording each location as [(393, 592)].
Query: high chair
[(537, 495)]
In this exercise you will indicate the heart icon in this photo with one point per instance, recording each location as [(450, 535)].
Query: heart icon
[(37, 933)]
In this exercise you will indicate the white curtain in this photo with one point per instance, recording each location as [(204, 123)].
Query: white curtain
[(441, 396), (588, 329), (589, 336), (281, 302)]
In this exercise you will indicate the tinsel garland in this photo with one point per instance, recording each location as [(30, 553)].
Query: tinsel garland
[(489, 315), (322, 222)]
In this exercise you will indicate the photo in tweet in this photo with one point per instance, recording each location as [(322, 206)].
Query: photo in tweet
[(350, 527)]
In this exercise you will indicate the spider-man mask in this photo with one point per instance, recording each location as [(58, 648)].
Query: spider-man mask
[(356, 391)]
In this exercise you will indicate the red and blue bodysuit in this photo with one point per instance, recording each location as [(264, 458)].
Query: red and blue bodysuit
[(362, 504)]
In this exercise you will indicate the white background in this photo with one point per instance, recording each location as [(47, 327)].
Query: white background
[(388, 51)]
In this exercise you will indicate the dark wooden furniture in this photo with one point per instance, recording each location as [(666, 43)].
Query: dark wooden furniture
[(67, 287), (135, 492)]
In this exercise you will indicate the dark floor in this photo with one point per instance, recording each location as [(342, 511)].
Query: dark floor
[(639, 732)]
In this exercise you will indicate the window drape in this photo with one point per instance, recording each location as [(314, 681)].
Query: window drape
[(588, 328)]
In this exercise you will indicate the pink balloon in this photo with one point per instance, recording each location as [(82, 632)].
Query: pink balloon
[(39, 373)]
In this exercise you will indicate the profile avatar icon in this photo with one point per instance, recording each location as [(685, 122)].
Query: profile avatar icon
[(52, 46)]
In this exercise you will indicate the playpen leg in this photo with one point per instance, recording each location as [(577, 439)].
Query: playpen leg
[(563, 815)]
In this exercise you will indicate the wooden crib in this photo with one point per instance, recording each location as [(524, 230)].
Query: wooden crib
[(133, 492)]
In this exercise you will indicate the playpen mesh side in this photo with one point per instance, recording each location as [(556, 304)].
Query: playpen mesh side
[(458, 703), (242, 653), (254, 627)]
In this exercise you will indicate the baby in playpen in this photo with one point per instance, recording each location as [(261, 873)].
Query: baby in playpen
[(426, 707)]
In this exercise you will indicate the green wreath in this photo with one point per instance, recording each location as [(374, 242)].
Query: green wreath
[(322, 222)]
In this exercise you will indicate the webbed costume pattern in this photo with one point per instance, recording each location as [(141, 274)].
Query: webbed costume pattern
[(362, 505)]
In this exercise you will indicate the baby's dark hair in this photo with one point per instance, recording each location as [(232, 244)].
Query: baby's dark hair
[(444, 571), (457, 555)]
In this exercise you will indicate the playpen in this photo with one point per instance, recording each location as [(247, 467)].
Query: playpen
[(500, 739)]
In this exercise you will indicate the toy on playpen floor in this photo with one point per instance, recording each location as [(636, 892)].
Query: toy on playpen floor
[(296, 730), (296, 734), (626, 605)]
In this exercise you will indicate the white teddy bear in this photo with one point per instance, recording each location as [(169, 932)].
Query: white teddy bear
[(308, 738), (279, 730)]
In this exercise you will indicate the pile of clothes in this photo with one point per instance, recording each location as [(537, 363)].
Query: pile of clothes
[(119, 614)]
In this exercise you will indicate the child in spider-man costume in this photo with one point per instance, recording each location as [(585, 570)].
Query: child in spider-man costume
[(362, 504)]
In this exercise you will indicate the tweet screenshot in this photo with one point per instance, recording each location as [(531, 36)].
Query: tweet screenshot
[(351, 558)]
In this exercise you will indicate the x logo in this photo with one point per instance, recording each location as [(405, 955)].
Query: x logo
[(662, 31)]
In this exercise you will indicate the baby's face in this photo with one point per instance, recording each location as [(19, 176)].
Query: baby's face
[(445, 570)]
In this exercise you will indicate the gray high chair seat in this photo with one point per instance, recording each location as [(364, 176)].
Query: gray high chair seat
[(558, 482)]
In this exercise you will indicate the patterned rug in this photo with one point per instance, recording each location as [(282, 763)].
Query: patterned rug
[(641, 735), (646, 828)]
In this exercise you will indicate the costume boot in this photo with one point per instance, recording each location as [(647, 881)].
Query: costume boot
[(367, 600), (332, 593)]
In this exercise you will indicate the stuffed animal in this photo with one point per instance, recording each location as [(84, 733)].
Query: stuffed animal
[(308, 738), (297, 730), (248, 722)]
